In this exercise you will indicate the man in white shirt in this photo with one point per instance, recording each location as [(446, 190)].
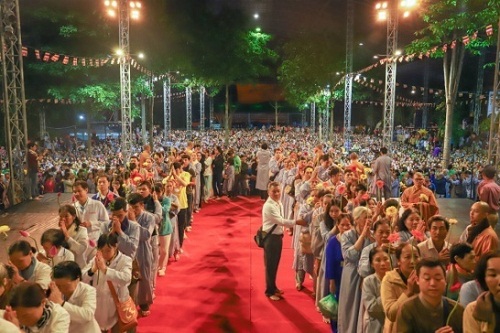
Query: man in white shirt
[(92, 213), (272, 213)]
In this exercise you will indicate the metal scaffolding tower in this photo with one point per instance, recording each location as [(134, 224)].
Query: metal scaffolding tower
[(348, 70), (43, 124), (320, 124), (189, 112), (202, 108), (390, 75), (210, 111), (494, 142), (313, 117), (125, 99), (14, 100), (326, 121), (304, 117), (479, 92), (425, 108), (167, 107)]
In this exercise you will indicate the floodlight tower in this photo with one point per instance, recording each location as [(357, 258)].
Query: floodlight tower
[(14, 100), (388, 10), (348, 70), (125, 9), (189, 112), (202, 108), (167, 107)]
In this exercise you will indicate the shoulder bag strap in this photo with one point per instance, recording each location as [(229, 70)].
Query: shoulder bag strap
[(113, 292), (270, 232)]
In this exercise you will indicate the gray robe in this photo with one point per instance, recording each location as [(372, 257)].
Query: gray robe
[(374, 316), (263, 157), (144, 258), (350, 288)]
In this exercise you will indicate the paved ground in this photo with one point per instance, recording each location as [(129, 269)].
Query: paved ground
[(32, 216), (37, 216)]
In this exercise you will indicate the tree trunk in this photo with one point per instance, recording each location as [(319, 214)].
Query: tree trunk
[(276, 114), (226, 117), (143, 119), (151, 109), (452, 67), (330, 134), (89, 138)]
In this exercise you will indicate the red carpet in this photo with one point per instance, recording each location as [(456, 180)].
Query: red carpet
[(218, 284)]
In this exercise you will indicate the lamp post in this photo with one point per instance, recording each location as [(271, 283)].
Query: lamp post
[(388, 11), (126, 10)]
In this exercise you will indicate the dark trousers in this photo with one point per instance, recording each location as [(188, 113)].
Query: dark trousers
[(189, 211), (217, 183), (240, 185), (272, 255), (33, 177), (182, 223)]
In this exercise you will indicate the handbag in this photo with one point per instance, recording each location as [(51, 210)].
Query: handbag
[(126, 311), (329, 307), (305, 239), (261, 236), (290, 190)]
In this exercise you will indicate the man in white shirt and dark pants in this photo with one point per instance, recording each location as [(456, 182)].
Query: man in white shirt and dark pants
[(272, 213)]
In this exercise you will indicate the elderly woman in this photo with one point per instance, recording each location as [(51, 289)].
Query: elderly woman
[(111, 265), (31, 310), (76, 297), (25, 265), (353, 242)]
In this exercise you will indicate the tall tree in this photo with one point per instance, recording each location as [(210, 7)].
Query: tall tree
[(219, 47), (447, 21)]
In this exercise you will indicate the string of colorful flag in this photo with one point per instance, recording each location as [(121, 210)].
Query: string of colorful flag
[(420, 55), (65, 59), (371, 83)]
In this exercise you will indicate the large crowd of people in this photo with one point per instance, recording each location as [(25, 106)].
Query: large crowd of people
[(364, 215)]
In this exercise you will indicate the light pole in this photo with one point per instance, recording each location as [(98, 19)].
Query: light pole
[(126, 9), (388, 10)]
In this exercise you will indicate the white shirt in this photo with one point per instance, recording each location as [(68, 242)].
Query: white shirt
[(94, 212), (41, 275), (7, 326), (120, 273), (272, 213), (62, 255), (58, 322), (81, 307)]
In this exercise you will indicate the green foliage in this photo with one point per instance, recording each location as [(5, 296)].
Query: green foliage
[(448, 20), (68, 30), (217, 45), (309, 63)]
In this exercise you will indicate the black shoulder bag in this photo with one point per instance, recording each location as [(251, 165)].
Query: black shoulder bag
[(260, 238)]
